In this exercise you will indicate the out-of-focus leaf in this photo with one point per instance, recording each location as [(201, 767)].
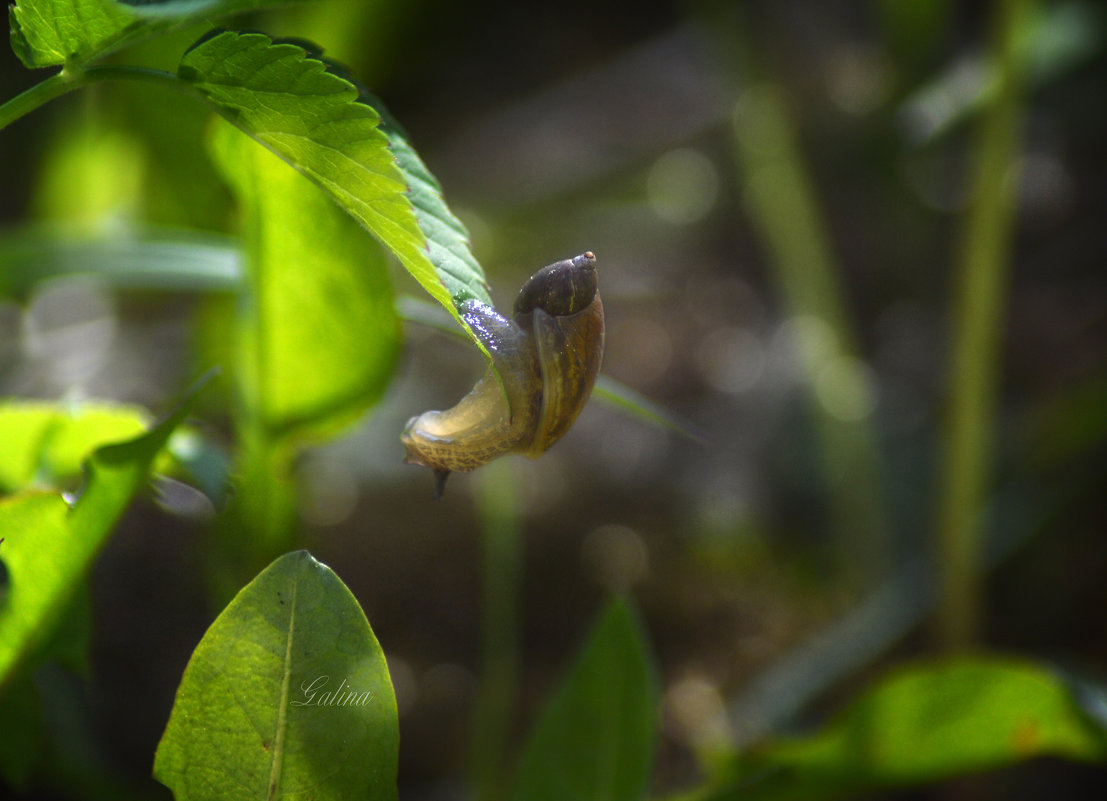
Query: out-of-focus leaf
[(44, 444), (286, 696), (49, 546), (47, 33), (90, 176), (292, 101), (320, 333), (928, 722), (636, 404), (1056, 38), (595, 738), (178, 261)]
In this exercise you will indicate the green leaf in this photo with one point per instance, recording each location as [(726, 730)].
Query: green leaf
[(635, 404), (147, 258), (49, 547), (595, 738), (928, 722), (319, 334), (286, 696), (47, 33), (44, 444), (288, 98), (447, 238)]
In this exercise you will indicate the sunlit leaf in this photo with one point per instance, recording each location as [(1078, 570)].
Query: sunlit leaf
[(46, 33), (320, 333), (595, 738), (49, 32), (447, 238), (292, 101), (928, 722), (49, 546), (44, 443), (286, 696)]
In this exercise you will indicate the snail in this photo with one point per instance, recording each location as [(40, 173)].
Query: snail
[(544, 363)]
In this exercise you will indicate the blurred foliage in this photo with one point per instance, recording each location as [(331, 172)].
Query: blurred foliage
[(595, 737), (801, 210), (50, 545), (926, 722)]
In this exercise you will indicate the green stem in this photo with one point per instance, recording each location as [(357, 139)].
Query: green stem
[(39, 94), (781, 200), (982, 269), (70, 79), (497, 503)]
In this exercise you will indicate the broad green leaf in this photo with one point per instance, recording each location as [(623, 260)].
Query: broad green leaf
[(49, 546), (286, 696), (46, 33), (319, 333), (44, 443), (293, 102), (928, 722), (595, 738)]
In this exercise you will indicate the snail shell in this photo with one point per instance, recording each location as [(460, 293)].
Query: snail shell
[(547, 358)]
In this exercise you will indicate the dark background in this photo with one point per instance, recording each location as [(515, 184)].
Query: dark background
[(564, 127)]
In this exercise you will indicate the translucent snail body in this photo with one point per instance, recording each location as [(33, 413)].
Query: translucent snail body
[(547, 356)]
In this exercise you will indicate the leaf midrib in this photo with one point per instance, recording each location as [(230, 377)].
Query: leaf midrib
[(277, 763)]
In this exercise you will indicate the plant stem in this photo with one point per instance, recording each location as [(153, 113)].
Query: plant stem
[(497, 503), (982, 269), (39, 94), (74, 78), (781, 200)]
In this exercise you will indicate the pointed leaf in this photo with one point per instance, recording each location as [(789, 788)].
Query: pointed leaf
[(928, 722), (286, 696), (320, 334), (594, 740), (296, 104), (49, 547)]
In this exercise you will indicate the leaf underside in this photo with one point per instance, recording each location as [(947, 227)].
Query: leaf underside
[(284, 95)]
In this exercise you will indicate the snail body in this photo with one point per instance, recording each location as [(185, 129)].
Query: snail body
[(545, 360)]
